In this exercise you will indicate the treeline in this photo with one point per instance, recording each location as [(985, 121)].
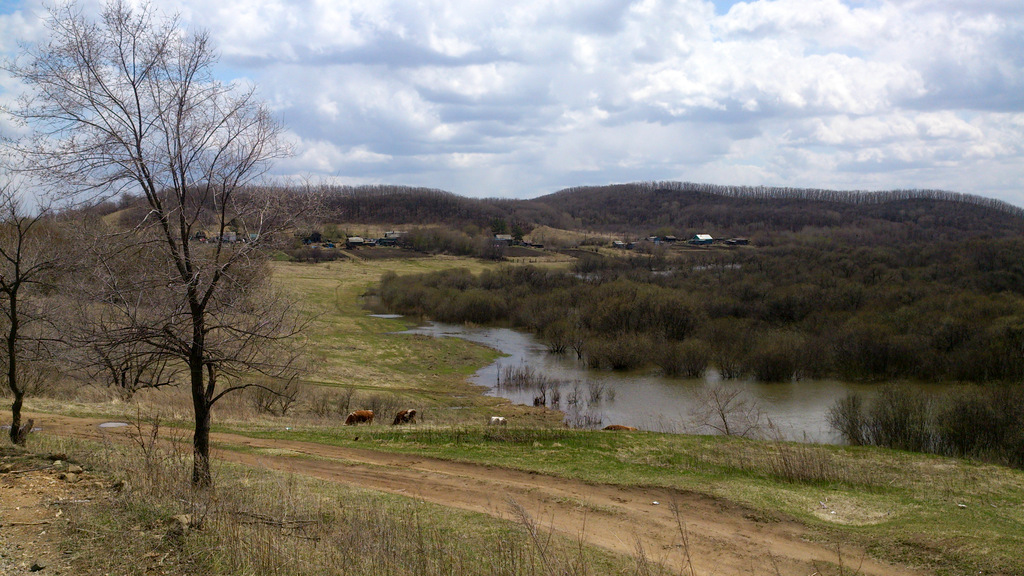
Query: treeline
[(687, 208), (808, 306), (426, 206), (638, 209), (976, 422)]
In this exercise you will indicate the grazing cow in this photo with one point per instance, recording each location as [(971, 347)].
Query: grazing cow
[(497, 421), (359, 417), (620, 427), (405, 417)]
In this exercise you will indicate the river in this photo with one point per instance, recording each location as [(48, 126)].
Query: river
[(591, 398)]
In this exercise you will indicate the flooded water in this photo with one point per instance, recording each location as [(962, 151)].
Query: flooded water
[(595, 398)]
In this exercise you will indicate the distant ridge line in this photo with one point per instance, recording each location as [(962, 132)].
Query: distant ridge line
[(862, 197)]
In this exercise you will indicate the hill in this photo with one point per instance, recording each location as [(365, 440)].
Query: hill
[(684, 208)]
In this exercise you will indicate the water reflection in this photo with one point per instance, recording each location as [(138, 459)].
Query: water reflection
[(794, 410)]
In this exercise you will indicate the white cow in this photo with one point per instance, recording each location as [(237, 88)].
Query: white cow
[(497, 421)]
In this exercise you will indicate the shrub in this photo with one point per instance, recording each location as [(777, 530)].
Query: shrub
[(626, 352), (847, 417)]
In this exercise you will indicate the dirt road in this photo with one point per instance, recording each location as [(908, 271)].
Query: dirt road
[(721, 538)]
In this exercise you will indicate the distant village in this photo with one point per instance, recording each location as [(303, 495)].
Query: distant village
[(393, 239)]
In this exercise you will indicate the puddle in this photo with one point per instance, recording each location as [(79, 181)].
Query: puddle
[(113, 425)]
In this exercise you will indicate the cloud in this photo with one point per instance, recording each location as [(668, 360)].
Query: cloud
[(521, 98)]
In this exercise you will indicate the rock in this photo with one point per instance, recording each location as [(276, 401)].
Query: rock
[(75, 469), (68, 477), (6, 467), (179, 525), (37, 565)]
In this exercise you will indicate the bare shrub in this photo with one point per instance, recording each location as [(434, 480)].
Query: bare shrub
[(575, 395), (331, 402), (583, 418), (381, 405), (726, 411), (275, 396), (626, 352), (800, 462), (524, 377), (902, 418), (775, 357), (847, 417)]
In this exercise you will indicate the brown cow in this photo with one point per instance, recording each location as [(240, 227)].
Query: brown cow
[(359, 417), (405, 417), (620, 427)]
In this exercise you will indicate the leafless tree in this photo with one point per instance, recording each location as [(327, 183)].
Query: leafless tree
[(726, 411), (103, 317), (129, 102), (29, 260)]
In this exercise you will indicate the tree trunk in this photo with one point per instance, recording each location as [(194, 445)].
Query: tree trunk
[(16, 436), (202, 407), (201, 477), (12, 371)]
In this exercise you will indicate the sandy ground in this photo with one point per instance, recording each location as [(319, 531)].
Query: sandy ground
[(679, 529)]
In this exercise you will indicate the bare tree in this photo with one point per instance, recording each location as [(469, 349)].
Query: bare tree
[(728, 412), (128, 102), (29, 257)]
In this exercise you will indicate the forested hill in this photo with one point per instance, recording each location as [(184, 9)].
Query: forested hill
[(685, 208), (732, 211), (681, 209)]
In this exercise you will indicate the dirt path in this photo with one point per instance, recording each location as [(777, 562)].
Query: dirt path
[(722, 538)]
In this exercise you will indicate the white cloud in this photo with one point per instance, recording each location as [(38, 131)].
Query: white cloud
[(520, 98)]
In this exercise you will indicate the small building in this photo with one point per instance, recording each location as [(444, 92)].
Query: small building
[(505, 239), (737, 242), (701, 239), (387, 242), (354, 241), (393, 235), (619, 244)]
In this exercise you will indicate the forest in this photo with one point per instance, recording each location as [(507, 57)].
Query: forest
[(807, 306)]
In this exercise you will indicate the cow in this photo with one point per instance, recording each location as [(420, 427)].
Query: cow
[(405, 417), (358, 417), (497, 421), (620, 427)]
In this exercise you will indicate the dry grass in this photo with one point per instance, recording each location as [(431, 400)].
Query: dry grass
[(258, 522)]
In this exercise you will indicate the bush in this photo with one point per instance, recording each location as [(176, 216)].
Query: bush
[(689, 358), (775, 357), (626, 352), (902, 418), (847, 417)]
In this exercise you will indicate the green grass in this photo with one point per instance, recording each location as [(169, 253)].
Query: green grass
[(951, 514)]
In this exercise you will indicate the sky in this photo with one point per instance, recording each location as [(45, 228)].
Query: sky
[(516, 99)]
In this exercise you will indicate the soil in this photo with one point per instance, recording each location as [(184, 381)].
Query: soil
[(34, 495), (692, 533)]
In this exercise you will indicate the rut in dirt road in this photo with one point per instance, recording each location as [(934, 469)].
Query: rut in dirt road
[(675, 528)]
